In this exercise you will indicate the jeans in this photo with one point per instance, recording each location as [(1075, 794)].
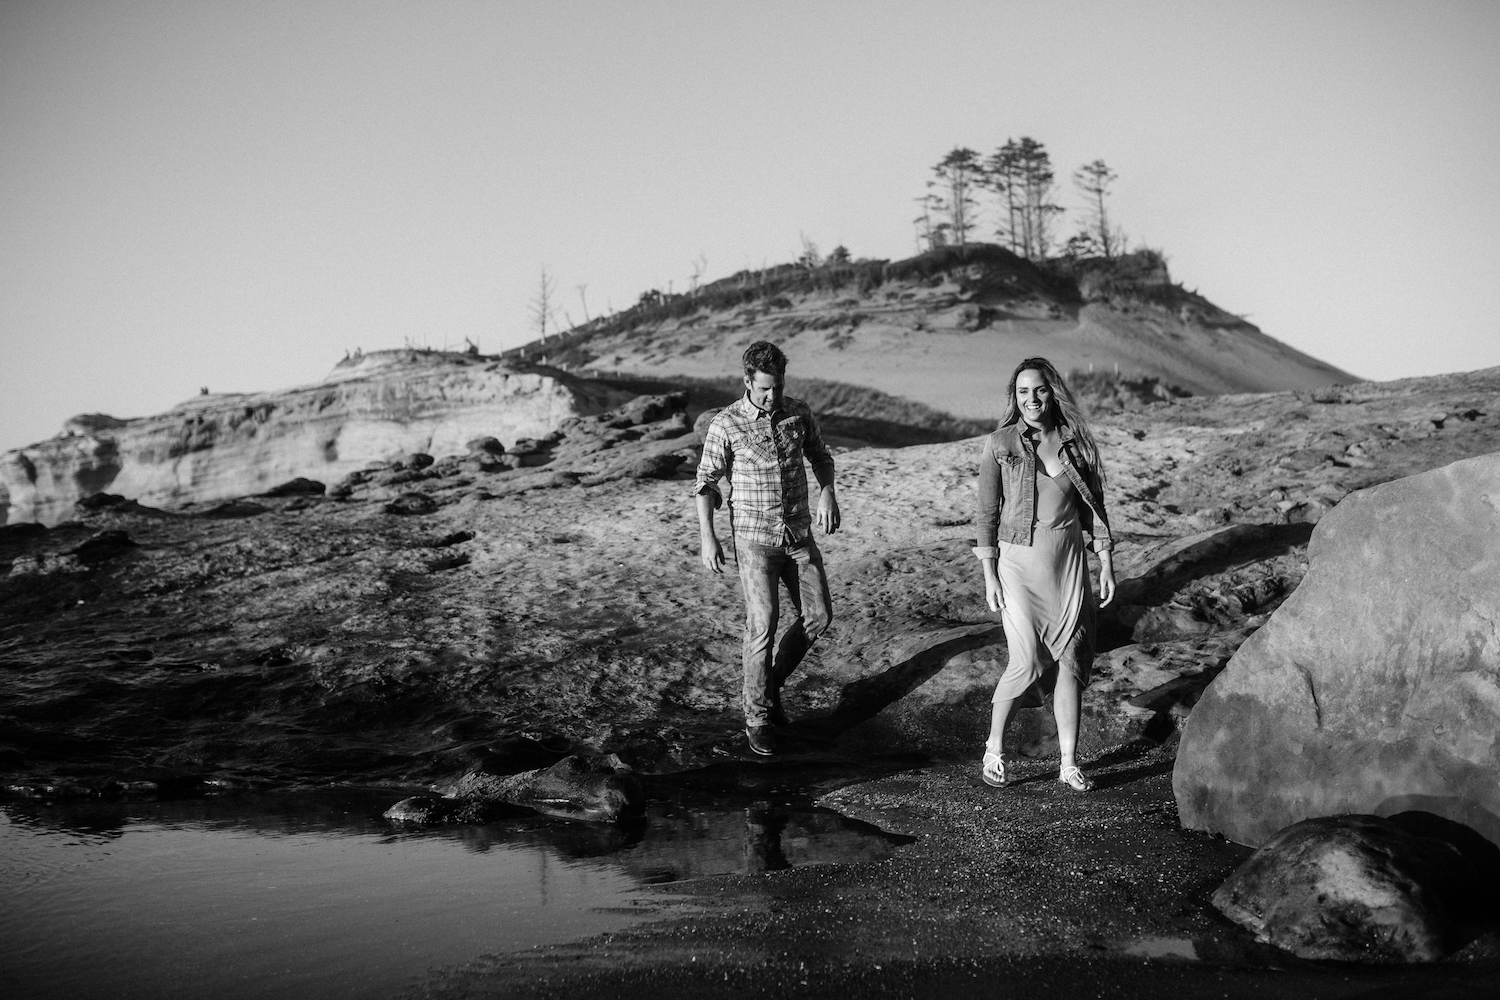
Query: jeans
[(800, 569)]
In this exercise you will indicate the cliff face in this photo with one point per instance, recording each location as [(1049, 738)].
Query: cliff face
[(218, 447)]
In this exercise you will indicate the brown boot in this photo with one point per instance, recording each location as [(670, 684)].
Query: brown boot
[(761, 740)]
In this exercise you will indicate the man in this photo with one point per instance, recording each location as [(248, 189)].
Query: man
[(758, 441)]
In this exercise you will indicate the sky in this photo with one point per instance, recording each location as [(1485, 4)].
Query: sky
[(234, 195)]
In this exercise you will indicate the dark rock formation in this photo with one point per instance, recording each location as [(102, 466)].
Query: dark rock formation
[(102, 545), (597, 790), (298, 487), (1376, 687), (453, 538), (236, 508), (412, 462), (1364, 889), (99, 501), (485, 446), (412, 503)]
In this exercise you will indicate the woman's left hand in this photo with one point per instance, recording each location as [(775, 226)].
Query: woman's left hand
[(1106, 585)]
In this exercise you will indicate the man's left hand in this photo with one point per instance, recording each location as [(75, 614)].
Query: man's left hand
[(828, 511)]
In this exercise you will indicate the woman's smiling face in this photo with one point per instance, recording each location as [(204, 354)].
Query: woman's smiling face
[(1033, 397)]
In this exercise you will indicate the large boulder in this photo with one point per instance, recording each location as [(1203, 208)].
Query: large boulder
[(1363, 888), (1376, 687)]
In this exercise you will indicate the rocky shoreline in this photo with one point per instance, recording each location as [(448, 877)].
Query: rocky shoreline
[(411, 622), (304, 637)]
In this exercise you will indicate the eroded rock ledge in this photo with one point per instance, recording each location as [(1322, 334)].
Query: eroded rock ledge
[(371, 407)]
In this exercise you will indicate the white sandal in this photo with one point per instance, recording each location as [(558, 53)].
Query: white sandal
[(1074, 778), (993, 769)]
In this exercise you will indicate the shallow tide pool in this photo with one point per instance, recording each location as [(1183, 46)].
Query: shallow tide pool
[(315, 896)]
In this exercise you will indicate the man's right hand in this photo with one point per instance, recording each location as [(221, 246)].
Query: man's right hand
[(712, 554)]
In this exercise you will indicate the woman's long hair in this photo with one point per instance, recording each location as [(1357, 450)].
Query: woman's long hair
[(1065, 409)]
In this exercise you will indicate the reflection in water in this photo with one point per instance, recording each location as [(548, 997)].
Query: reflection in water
[(315, 895), (1163, 947), (763, 829), (697, 834)]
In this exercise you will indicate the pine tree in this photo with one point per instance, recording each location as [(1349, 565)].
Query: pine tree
[(1021, 173), (951, 194), (544, 304), (1002, 174), (1097, 233)]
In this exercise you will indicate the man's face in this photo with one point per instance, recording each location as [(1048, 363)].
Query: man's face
[(765, 390)]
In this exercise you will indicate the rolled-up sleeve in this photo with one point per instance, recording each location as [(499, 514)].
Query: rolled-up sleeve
[(815, 449), (714, 464), (987, 513), (1100, 537)]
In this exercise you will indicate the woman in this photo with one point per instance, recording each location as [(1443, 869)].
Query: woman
[(1041, 491)]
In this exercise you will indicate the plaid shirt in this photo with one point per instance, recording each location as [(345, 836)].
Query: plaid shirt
[(768, 487)]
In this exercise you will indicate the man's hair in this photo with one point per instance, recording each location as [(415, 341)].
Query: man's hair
[(764, 356)]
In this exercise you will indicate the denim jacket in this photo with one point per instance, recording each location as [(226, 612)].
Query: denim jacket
[(1007, 492)]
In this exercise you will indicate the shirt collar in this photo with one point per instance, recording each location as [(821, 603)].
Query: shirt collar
[(1023, 431), (755, 412)]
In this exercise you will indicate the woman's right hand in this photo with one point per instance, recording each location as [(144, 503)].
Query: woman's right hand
[(992, 595)]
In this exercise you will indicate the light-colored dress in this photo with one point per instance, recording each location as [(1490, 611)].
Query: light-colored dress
[(1049, 604)]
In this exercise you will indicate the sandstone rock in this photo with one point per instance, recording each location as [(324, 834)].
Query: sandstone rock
[(542, 479), (345, 488), (526, 446), (1169, 622), (298, 487), (654, 467), (528, 460), (403, 474), (453, 538), (92, 423), (700, 426), (353, 480), (485, 446), (661, 464), (1376, 687), (413, 461), (674, 426), (509, 461), (1356, 889), (214, 448), (411, 504), (236, 508), (453, 560), (650, 409)]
